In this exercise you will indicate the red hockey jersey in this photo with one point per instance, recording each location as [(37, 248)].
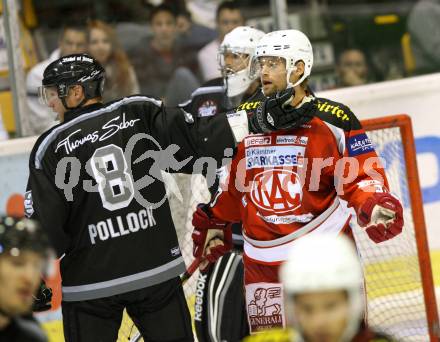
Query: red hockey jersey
[(289, 183)]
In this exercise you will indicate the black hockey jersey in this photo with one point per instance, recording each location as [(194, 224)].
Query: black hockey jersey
[(95, 186), (208, 100)]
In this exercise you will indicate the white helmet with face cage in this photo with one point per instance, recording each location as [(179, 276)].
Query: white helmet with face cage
[(241, 42), (291, 45), (325, 263)]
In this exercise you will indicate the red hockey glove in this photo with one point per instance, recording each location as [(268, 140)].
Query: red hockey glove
[(211, 237), (382, 215)]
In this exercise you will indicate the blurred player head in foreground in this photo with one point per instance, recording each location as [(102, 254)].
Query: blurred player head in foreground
[(322, 280), (71, 82), (235, 56), (24, 251), (284, 60)]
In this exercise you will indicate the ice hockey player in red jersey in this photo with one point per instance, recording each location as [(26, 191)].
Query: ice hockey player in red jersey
[(322, 283), (289, 183)]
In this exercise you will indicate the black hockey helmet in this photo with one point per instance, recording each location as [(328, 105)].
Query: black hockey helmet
[(77, 69), (22, 235)]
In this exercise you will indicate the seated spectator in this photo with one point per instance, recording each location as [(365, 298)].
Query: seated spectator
[(191, 35), (228, 17), (352, 68), (120, 77), (424, 29), (162, 68), (72, 40)]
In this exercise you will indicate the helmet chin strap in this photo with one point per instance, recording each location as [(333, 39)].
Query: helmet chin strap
[(63, 100), (289, 72)]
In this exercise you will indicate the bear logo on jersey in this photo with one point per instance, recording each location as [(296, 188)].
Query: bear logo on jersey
[(207, 108)]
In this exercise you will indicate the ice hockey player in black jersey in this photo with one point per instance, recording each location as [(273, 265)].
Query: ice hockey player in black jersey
[(95, 186), (24, 249), (220, 306)]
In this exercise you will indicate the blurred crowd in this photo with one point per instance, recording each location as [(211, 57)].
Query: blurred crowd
[(175, 55)]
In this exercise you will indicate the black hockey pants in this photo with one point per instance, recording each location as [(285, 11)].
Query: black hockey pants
[(159, 312)]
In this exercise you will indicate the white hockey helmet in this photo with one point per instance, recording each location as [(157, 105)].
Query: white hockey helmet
[(325, 262), (293, 46), (242, 40)]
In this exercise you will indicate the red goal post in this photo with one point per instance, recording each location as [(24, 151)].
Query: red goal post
[(402, 123)]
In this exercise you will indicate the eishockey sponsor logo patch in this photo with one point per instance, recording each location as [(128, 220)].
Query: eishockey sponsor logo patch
[(265, 306), (28, 204), (175, 251), (257, 157), (371, 185), (291, 140), (258, 140), (359, 144), (200, 290), (287, 219)]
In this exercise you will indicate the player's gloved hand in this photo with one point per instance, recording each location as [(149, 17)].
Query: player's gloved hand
[(42, 298), (276, 113), (382, 217), (211, 237)]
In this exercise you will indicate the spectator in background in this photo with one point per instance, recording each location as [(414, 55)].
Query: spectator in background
[(352, 68), (104, 47), (424, 29), (228, 17), (72, 40), (162, 68), (192, 36)]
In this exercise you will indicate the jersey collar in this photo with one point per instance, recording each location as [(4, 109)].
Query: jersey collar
[(73, 113)]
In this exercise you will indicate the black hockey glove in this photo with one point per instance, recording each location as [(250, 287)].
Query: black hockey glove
[(42, 298), (276, 113)]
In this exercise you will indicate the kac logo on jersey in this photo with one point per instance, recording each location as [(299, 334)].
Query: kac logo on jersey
[(276, 191), (207, 108), (359, 144)]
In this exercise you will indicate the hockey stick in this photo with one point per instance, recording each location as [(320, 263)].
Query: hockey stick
[(190, 270)]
